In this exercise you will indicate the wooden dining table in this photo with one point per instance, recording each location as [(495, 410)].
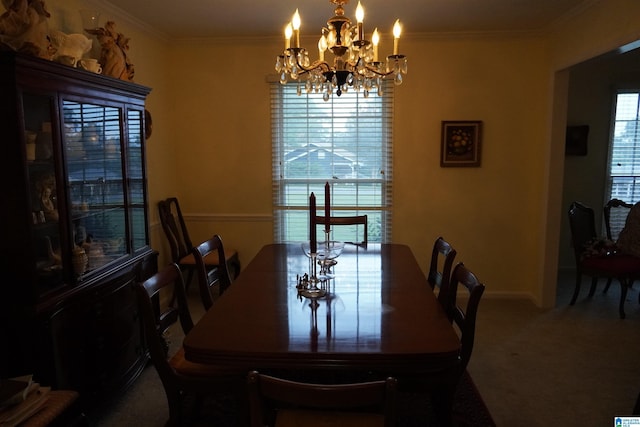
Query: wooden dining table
[(379, 314)]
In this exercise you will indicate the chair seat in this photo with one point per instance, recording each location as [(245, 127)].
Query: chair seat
[(210, 259), (191, 369), (613, 265), (313, 418)]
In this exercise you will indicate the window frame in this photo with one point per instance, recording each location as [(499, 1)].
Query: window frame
[(288, 215), (615, 139)]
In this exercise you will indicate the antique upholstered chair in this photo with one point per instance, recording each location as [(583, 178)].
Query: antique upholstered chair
[(615, 266), (279, 402), (353, 220), (439, 275), (177, 234), (208, 278), (180, 377), (615, 215)]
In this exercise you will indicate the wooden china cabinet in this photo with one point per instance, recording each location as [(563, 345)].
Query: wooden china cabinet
[(75, 237)]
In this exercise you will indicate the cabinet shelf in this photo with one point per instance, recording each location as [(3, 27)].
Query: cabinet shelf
[(78, 214)]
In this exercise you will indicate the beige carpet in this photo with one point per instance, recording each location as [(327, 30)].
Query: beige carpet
[(567, 366)]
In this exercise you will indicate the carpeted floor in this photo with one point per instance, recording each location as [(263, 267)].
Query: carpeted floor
[(469, 409)]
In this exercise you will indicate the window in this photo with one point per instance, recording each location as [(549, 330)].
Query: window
[(624, 155), (345, 141), (624, 151)]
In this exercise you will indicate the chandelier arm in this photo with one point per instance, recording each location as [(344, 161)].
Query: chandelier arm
[(378, 72), (315, 65), (381, 73)]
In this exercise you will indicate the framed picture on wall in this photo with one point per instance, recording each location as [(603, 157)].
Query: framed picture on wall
[(461, 143), (576, 140)]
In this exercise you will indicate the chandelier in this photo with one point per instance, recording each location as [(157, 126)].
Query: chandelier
[(355, 59)]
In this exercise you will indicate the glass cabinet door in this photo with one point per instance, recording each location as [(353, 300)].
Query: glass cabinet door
[(135, 173), (92, 136), (43, 188)]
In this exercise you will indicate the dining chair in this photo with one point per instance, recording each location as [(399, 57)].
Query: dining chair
[(208, 278), (177, 234), (278, 402), (441, 385), (615, 215), (180, 377), (618, 266), (464, 319), (353, 220), (439, 275)]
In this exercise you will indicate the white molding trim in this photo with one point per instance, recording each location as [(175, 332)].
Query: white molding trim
[(108, 8), (502, 295), (200, 217)]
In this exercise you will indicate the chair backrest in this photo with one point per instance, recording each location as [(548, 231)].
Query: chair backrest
[(615, 215), (464, 319), (268, 393), (210, 277), (157, 319), (583, 227), (174, 228), (439, 275), (348, 220)]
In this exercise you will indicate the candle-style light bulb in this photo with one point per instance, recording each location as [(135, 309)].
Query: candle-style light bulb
[(375, 39), (360, 19), (322, 45), (288, 31), (397, 29), (295, 22)]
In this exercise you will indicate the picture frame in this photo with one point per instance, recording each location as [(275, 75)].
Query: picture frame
[(461, 143), (576, 140)]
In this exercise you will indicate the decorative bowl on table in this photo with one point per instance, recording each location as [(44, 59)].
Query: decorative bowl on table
[(324, 250), (330, 250)]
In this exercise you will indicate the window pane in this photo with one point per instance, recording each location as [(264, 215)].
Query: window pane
[(624, 154)]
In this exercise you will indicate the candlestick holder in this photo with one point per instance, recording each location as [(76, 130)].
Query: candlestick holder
[(327, 254), (310, 285)]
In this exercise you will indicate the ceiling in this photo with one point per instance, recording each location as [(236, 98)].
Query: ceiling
[(252, 18)]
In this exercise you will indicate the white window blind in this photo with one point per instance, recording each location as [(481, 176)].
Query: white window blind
[(346, 141)]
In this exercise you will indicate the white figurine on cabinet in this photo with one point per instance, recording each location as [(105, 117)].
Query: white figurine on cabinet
[(70, 48)]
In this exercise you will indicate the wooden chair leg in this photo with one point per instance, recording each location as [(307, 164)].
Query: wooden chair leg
[(594, 283), (234, 264), (576, 291), (443, 406), (623, 296), (175, 409)]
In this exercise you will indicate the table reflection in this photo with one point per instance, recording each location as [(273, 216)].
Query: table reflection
[(351, 310)]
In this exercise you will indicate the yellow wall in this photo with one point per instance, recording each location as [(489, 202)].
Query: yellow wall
[(466, 78), (211, 143)]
